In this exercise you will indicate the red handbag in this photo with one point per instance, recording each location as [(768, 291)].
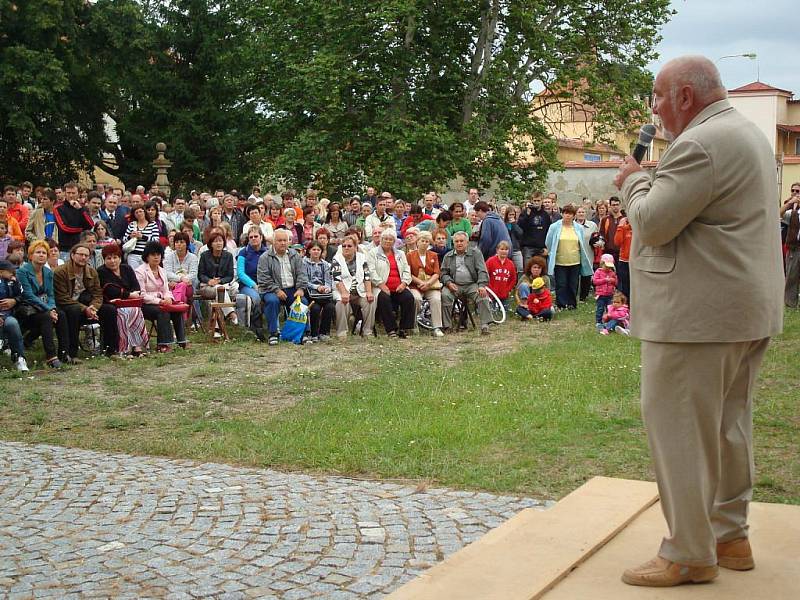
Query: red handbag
[(127, 302), (175, 307)]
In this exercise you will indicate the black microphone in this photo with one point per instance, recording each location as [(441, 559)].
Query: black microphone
[(646, 135)]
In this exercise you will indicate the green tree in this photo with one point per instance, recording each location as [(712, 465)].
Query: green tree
[(173, 71), (51, 105), (408, 94)]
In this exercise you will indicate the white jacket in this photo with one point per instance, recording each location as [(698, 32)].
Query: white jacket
[(347, 276), (379, 266)]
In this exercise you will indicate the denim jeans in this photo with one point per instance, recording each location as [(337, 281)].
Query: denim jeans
[(255, 297), (567, 278), (600, 307), (13, 335), (272, 306)]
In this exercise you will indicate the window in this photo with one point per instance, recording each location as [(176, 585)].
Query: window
[(797, 145), (591, 157)]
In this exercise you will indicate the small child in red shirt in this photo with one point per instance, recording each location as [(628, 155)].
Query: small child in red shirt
[(540, 302), (502, 273)]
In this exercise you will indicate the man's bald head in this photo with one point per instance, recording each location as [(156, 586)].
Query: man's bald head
[(700, 74), (683, 88)]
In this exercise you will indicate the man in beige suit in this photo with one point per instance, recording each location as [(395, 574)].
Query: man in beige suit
[(706, 284)]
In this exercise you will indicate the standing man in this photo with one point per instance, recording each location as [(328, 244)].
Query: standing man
[(16, 209), (706, 281), (371, 197), (472, 199), (232, 215), (380, 215), (71, 220), (791, 217), (534, 222), (608, 227), (115, 216), (493, 230), (42, 223)]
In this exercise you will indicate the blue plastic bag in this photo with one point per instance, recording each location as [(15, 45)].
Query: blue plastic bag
[(295, 326)]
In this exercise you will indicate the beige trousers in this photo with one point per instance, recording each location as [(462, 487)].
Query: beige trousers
[(343, 312), (435, 298), (697, 402)]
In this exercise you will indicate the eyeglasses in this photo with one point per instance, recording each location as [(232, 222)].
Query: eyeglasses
[(796, 191), (82, 254)]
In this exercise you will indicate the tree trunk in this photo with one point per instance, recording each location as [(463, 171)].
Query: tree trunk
[(481, 58)]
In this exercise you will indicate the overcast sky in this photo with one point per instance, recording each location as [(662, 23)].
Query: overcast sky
[(716, 28)]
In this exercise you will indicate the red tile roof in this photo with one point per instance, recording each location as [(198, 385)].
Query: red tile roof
[(789, 128), (757, 86)]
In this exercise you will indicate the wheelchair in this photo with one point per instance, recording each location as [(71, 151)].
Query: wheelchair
[(461, 313)]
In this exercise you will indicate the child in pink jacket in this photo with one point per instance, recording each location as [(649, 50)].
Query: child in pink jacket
[(605, 283), (617, 316)]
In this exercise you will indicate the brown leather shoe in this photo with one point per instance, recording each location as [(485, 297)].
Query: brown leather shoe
[(736, 555), (660, 572)]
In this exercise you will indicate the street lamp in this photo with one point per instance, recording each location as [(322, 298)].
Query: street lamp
[(750, 55)]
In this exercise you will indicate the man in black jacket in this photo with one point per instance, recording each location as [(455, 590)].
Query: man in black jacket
[(534, 222)]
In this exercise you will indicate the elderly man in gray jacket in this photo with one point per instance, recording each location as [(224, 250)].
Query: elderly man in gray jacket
[(281, 277), (464, 275)]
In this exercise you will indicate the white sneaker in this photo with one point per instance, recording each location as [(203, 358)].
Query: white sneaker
[(621, 330), (437, 332), (217, 334), (21, 364)]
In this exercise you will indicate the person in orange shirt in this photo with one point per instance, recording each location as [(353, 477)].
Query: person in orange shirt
[(16, 209), (622, 240), (14, 229)]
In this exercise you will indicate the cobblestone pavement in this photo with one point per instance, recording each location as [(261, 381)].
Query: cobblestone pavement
[(75, 523)]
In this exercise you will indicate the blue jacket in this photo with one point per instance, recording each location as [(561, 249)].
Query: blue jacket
[(9, 289), (493, 231), (553, 237), (247, 265), (42, 297)]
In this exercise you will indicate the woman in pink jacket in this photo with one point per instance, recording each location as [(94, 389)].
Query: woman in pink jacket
[(158, 298)]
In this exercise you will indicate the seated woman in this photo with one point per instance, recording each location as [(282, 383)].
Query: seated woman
[(215, 272), (120, 283), (141, 230), (335, 224), (391, 275), (103, 234), (231, 245), (40, 315), (295, 229), (424, 265), (275, 217), (319, 290), (181, 267), (247, 273), (328, 249), (53, 255), (254, 221), (352, 287), (157, 297)]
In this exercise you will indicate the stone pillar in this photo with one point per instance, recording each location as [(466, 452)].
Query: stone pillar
[(161, 165)]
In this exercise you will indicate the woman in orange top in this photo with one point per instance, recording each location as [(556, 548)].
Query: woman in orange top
[(424, 264), (622, 239)]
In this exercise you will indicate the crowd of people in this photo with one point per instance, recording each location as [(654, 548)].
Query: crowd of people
[(117, 260)]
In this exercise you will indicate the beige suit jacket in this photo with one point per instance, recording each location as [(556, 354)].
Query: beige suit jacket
[(706, 256)]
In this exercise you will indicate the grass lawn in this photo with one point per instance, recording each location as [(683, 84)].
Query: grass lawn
[(533, 409)]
